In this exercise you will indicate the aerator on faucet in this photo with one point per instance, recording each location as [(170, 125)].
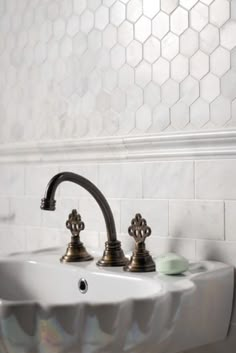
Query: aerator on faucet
[(113, 254)]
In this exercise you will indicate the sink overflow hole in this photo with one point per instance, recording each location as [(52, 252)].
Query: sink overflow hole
[(83, 286)]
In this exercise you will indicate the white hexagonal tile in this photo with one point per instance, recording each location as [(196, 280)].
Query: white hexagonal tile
[(66, 8), (151, 7), (53, 10), (233, 10), (110, 123), (134, 98), (199, 16), (53, 50), (93, 4), (152, 49), (179, 115), (95, 122), (179, 21), (109, 80), (66, 47), (73, 25), (220, 111), (126, 122), (188, 4), (189, 90), (79, 6), (134, 10), (219, 12), (143, 74), (207, 2), (179, 68), (233, 59), (118, 100), (80, 44), (126, 77), (227, 35), (189, 42), (160, 118), (125, 33), (94, 40), (103, 101), (210, 87), (44, 36), (143, 118), (220, 61), (40, 53), (169, 6), (199, 113), (134, 53), (170, 46), (199, 64), (170, 92), (152, 95), (160, 25), (101, 17), (117, 13), (59, 28), (161, 71), (209, 39), (86, 21), (117, 56), (142, 29), (228, 84), (109, 36)]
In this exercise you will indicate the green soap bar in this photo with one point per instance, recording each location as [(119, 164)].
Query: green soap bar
[(172, 264)]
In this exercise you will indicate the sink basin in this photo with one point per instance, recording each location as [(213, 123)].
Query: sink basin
[(46, 308)]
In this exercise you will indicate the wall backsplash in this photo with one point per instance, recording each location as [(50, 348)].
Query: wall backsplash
[(139, 96), (94, 68)]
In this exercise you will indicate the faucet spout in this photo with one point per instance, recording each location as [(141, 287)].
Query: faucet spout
[(113, 254)]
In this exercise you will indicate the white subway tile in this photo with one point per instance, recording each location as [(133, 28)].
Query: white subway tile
[(215, 179), (37, 178), (230, 220), (25, 211), (154, 211), (197, 219), (12, 240), (223, 251), (120, 180), (68, 189), (12, 180), (58, 218), (45, 238), (168, 180), (93, 217), (5, 214), (161, 245)]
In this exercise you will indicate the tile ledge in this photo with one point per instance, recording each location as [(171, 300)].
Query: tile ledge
[(172, 146)]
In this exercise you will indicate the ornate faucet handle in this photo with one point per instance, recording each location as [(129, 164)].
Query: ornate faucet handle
[(139, 229), (74, 223)]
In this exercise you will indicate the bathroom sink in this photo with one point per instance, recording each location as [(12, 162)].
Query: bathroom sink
[(47, 306)]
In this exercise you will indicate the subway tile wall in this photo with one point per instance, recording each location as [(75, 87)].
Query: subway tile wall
[(79, 68)]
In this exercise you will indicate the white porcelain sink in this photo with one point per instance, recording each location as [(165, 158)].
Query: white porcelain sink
[(43, 310)]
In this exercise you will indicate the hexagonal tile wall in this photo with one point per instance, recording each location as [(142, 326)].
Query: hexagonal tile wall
[(113, 67)]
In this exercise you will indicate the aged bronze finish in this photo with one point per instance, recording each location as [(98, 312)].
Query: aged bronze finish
[(113, 254), (141, 260), (76, 251)]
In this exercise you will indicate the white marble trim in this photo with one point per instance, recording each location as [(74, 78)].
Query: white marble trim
[(213, 144)]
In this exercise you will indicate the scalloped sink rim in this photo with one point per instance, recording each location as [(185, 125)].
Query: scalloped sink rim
[(121, 312)]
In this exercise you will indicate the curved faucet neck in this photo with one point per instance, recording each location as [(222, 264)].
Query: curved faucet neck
[(48, 203)]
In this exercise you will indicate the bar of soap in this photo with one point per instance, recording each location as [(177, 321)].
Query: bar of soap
[(172, 264)]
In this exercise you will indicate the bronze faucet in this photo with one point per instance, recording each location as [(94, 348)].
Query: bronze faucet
[(113, 254)]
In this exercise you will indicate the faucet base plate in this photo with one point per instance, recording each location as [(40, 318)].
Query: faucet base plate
[(76, 252), (113, 255)]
